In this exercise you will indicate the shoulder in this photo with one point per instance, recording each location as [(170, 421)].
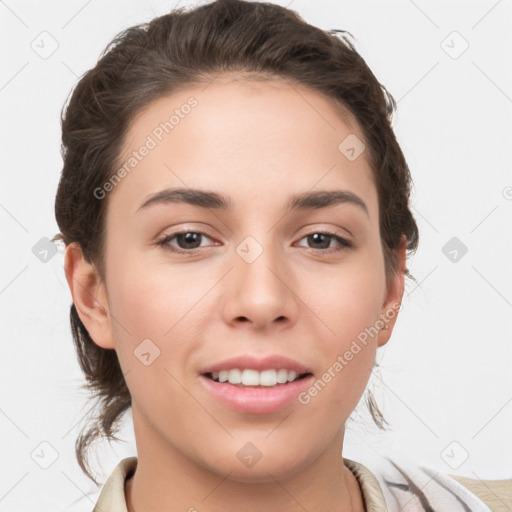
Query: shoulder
[(497, 494), (407, 486), (112, 496)]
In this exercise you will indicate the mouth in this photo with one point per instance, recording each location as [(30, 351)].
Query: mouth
[(252, 392), (249, 378)]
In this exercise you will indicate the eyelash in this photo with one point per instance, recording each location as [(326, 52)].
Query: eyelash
[(164, 242)]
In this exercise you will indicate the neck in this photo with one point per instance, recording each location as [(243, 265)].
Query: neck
[(168, 480)]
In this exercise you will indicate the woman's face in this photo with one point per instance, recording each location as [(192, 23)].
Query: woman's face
[(255, 277)]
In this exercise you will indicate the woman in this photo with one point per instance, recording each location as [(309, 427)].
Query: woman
[(235, 209)]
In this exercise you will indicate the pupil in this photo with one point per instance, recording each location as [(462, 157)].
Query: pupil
[(315, 237), (193, 238), (189, 238)]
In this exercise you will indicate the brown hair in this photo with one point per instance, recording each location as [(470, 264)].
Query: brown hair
[(185, 47)]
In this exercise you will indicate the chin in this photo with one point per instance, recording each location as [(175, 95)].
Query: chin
[(267, 469), (261, 475)]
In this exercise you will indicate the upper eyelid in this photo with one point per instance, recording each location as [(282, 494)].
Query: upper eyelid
[(324, 231), (174, 234)]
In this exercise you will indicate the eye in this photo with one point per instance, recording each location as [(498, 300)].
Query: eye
[(322, 241), (189, 241), (186, 241)]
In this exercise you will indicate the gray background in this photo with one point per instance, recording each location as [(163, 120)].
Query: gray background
[(444, 383)]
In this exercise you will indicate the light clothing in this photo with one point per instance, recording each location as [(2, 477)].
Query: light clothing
[(388, 487)]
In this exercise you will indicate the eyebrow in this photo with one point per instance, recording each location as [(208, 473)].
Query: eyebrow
[(207, 199)]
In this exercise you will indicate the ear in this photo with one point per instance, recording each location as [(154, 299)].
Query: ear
[(393, 300), (89, 296)]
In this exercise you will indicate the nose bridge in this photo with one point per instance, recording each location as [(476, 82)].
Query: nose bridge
[(256, 259), (259, 293)]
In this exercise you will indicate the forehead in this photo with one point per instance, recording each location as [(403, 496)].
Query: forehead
[(244, 135)]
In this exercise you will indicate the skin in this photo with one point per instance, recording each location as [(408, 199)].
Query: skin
[(258, 143)]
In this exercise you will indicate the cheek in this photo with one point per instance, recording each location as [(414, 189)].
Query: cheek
[(158, 313), (346, 351), (348, 304), (151, 322), (151, 300), (347, 300)]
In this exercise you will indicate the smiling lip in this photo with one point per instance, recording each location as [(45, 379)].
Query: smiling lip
[(256, 399), (273, 362)]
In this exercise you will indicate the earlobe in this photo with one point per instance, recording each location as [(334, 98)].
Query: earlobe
[(393, 302), (89, 296)]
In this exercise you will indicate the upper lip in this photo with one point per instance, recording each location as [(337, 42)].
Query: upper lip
[(274, 362)]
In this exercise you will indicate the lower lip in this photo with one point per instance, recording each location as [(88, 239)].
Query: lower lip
[(261, 400)]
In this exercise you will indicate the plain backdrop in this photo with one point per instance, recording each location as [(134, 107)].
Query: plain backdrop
[(445, 379)]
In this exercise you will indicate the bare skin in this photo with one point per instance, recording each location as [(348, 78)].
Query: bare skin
[(257, 143)]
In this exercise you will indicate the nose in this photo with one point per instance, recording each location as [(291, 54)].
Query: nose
[(261, 293)]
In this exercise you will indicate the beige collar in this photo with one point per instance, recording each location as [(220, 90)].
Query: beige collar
[(112, 497)]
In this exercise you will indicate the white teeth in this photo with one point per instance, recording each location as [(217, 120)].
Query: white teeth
[(282, 376), (250, 377), (268, 378)]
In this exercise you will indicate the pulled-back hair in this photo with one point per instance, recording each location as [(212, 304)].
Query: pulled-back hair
[(184, 48)]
